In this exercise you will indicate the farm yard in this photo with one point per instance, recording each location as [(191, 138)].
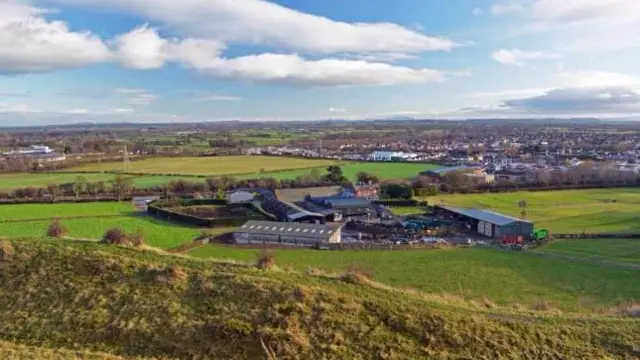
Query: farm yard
[(89, 221), (504, 277), (568, 211)]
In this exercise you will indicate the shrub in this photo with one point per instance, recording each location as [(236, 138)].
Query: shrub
[(266, 260), (115, 236), (542, 305), (357, 274), (7, 251), (56, 230)]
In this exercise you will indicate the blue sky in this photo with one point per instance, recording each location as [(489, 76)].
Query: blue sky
[(67, 61)]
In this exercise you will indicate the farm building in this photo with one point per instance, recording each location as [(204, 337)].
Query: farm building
[(240, 196), (488, 223), (293, 234), (340, 208)]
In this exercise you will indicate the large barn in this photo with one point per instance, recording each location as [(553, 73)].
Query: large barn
[(488, 223), (292, 234)]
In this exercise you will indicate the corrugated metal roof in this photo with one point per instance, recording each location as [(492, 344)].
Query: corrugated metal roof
[(484, 215), (315, 231)]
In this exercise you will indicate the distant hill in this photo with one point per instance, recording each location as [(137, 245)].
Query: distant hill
[(94, 301)]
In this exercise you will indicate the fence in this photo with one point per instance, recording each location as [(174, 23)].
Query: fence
[(165, 213), (597, 236)]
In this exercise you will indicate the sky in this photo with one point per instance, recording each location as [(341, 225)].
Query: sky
[(66, 61)]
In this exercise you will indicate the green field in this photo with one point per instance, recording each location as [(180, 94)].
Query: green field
[(10, 182), (622, 251), (67, 299), (504, 277), (90, 221), (209, 166), (385, 171), (567, 211)]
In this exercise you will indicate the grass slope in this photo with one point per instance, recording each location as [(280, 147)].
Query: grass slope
[(211, 166), (569, 211), (504, 277), (87, 297), (623, 251)]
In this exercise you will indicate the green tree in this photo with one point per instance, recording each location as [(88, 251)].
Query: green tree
[(335, 174), (366, 178), (54, 191), (121, 186), (80, 185)]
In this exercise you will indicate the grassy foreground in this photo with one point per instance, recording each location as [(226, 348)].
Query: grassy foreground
[(98, 299), (568, 211), (504, 277)]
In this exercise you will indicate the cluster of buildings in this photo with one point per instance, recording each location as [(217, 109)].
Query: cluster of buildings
[(39, 153)]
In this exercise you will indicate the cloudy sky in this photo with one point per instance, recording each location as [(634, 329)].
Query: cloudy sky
[(65, 61)]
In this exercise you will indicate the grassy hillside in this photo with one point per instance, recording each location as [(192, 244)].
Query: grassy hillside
[(569, 211), (92, 298), (504, 277)]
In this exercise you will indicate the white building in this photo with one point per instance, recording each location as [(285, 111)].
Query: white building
[(392, 156)]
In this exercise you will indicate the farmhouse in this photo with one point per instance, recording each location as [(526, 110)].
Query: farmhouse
[(291, 234), (488, 223)]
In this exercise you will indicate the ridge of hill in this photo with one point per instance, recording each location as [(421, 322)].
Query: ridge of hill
[(100, 301)]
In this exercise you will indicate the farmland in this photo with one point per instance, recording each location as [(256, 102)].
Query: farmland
[(569, 211), (10, 182), (621, 251), (90, 221), (504, 277), (208, 166), (385, 171), (137, 304)]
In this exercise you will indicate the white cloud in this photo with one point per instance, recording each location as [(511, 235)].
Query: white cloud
[(264, 22), (585, 26), (143, 48), (30, 43), (520, 58), (507, 7), (596, 79), (326, 72), (337, 110), (218, 98), (135, 96)]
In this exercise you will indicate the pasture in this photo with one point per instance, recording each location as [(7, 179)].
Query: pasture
[(621, 251), (208, 166), (9, 182), (567, 211), (504, 277), (90, 221), (385, 171)]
